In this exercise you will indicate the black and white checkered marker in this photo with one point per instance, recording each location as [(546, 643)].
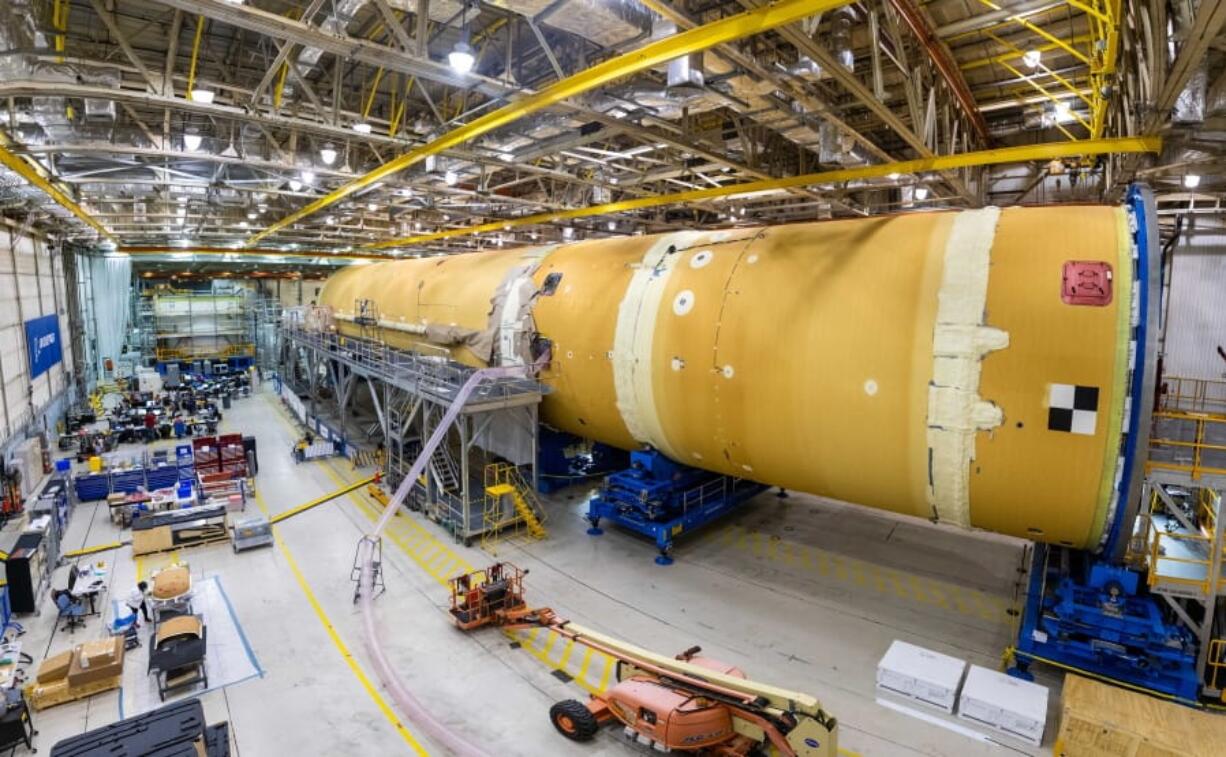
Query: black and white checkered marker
[(1072, 408)]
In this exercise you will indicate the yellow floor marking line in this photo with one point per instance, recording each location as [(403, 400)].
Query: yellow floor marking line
[(335, 636)]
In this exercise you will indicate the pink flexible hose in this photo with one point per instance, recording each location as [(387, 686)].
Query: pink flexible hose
[(408, 704)]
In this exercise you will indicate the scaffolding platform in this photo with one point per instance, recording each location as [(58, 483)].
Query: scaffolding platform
[(410, 393)]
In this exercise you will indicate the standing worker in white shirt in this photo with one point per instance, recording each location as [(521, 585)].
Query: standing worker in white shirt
[(136, 601)]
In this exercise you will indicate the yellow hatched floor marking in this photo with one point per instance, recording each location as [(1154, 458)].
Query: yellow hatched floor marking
[(335, 636)]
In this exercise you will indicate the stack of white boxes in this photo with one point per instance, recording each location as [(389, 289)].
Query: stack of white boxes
[(1005, 704)]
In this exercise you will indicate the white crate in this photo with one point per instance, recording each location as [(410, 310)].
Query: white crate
[(921, 674), (1010, 705)]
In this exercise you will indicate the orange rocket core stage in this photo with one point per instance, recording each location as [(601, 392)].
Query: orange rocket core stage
[(963, 366)]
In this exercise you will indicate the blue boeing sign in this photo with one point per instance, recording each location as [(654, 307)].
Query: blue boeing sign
[(43, 344)]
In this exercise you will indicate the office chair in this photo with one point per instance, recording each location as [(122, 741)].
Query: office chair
[(71, 610)]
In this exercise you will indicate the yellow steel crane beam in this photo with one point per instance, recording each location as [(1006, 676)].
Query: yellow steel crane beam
[(35, 176), (700, 38), (1046, 151)]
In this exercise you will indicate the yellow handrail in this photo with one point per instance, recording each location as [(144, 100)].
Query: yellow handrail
[(1216, 661), (1201, 423)]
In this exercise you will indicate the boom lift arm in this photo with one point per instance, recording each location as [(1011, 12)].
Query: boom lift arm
[(761, 716)]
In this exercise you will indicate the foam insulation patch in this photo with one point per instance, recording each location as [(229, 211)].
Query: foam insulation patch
[(634, 338), (960, 340)]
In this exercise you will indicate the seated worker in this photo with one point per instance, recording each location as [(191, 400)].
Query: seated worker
[(301, 447)]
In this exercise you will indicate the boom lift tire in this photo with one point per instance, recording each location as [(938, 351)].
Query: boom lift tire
[(573, 720)]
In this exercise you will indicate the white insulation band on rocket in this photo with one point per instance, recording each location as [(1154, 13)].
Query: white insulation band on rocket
[(634, 338), (960, 340)]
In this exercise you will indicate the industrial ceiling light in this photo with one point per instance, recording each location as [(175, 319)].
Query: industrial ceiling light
[(243, 224), (568, 232), (251, 215), (294, 185), (327, 154), (1064, 112), (612, 225), (1191, 181), (307, 176), (361, 127), (506, 157), (461, 56), (893, 176), (192, 141), (202, 95), (921, 193), (372, 206), (451, 178), (330, 220), (1032, 57)]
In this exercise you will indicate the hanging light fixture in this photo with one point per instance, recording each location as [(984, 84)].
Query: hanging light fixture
[(202, 95), (451, 178), (192, 140), (372, 206), (921, 193), (1032, 57), (307, 175), (461, 56), (294, 185), (361, 127), (1191, 181), (327, 154)]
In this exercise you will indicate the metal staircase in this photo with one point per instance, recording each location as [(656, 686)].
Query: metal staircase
[(443, 469), (504, 482)]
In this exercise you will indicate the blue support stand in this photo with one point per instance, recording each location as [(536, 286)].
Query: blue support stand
[(1086, 614), (661, 499), (565, 460)]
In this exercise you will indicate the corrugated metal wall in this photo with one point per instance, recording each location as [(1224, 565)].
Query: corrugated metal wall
[(31, 285), (1196, 314)]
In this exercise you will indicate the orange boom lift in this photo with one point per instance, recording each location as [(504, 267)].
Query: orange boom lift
[(686, 703)]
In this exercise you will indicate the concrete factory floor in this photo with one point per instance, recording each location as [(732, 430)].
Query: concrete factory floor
[(799, 592)]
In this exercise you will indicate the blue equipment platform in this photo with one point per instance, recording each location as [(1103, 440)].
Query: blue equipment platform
[(1086, 614), (565, 460), (661, 499)]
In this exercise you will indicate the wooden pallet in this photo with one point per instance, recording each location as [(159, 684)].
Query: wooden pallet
[(222, 539)]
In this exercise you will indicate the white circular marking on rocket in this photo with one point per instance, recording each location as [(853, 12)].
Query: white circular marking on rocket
[(728, 372), (701, 259), (683, 302), (870, 387)]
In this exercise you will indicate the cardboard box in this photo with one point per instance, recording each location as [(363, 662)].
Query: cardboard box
[(54, 668), (921, 674), (85, 670)]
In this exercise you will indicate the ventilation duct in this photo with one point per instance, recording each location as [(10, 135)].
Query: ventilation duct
[(608, 23), (840, 37), (1190, 105)]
